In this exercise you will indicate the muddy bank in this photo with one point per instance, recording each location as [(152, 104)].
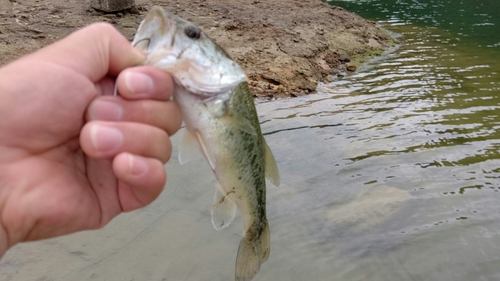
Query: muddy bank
[(286, 47)]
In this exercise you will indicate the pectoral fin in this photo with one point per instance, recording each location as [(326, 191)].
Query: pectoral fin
[(272, 173), (244, 124), (191, 142), (188, 148), (208, 154), (223, 210)]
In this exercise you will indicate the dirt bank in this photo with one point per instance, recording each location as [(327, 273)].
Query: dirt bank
[(286, 47)]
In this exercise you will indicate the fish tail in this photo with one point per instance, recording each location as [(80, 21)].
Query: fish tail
[(253, 251)]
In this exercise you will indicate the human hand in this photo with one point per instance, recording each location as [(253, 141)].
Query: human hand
[(72, 157)]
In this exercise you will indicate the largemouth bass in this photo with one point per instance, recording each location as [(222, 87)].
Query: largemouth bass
[(221, 121)]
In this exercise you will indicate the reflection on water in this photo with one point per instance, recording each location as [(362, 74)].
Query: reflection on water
[(389, 174), (399, 165)]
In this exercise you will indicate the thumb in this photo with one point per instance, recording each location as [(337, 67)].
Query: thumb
[(95, 51)]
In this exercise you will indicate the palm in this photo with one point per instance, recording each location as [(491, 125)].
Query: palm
[(73, 191)]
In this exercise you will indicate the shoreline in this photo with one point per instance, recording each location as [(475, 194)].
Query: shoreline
[(286, 48)]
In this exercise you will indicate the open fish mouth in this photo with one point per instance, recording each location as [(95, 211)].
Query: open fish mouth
[(156, 37), (179, 47)]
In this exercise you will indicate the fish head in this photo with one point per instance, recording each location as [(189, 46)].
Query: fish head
[(179, 47)]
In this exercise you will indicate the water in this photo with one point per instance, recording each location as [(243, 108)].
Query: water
[(389, 174), (470, 22)]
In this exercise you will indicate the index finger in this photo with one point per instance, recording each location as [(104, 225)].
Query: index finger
[(145, 82), (95, 51)]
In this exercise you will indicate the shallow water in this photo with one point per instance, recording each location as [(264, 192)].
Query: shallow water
[(389, 174)]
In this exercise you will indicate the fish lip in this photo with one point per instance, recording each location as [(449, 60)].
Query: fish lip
[(134, 44), (208, 93), (212, 92), (166, 44), (166, 39)]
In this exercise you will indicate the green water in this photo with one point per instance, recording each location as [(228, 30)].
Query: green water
[(473, 23)]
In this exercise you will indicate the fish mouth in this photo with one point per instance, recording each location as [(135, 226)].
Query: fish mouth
[(162, 37), (143, 41), (156, 31), (156, 39)]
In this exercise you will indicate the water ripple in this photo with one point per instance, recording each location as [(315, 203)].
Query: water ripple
[(422, 123)]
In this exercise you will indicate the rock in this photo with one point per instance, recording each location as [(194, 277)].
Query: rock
[(112, 5), (329, 78), (344, 58), (134, 11), (271, 78), (350, 67)]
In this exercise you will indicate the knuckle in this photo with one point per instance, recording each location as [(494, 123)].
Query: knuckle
[(103, 27)]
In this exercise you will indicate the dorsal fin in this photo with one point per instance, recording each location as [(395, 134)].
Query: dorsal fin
[(272, 173)]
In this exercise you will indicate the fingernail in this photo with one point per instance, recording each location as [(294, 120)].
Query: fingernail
[(105, 110), (136, 165), (138, 83), (104, 138)]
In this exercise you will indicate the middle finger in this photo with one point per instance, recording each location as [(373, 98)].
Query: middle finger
[(162, 114)]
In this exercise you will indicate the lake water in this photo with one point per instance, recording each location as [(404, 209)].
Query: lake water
[(389, 174)]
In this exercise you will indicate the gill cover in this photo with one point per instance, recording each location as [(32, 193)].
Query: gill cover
[(189, 55)]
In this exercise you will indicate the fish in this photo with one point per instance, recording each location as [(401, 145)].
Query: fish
[(221, 121)]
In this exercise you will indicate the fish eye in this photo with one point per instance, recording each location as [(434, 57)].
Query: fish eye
[(192, 32)]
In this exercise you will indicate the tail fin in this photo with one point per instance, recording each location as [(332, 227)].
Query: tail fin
[(253, 251)]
